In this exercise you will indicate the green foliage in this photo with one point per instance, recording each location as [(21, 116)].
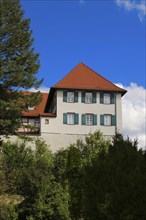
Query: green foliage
[(91, 179), (19, 64), (29, 173), (115, 183), (7, 212), (70, 166)]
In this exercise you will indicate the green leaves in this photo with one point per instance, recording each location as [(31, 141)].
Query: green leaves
[(29, 173), (91, 179)]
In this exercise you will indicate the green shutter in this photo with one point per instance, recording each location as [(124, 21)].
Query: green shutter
[(83, 119), (95, 120), (94, 97), (101, 119), (112, 98), (83, 97), (64, 118), (113, 120), (76, 96), (64, 96), (76, 119), (101, 97)]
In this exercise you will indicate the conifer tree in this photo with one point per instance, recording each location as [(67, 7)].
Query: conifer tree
[(19, 64)]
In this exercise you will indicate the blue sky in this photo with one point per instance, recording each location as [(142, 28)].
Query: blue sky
[(106, 35)]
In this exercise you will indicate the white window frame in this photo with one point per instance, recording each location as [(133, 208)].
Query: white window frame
[(88, 97), (31, 108), (107, 120), (89, 119), (70, 97), (70, 118), (106, 98)]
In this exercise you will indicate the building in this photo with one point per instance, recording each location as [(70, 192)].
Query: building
[(81, 103)]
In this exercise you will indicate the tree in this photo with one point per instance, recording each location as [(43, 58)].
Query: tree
[(29, 174), (71, 165), (18, 64), (115, 183)]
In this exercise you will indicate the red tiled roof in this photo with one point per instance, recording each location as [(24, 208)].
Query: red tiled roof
[(39, 109), (82, 77)]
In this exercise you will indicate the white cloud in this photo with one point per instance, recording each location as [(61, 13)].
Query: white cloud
[(139, 6), (134, 113), (41, 89)]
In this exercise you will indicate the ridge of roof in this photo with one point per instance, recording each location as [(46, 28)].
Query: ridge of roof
[(83, 77)]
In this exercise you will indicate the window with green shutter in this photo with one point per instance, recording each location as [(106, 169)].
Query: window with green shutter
[(107, 120), (88, 97), (70, 96), (70, 118), (107, 98), (89, 119)]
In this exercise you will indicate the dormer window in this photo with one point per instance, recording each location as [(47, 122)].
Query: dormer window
[(30, 108)]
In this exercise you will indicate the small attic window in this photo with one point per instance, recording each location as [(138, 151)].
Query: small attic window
[(30, 108)]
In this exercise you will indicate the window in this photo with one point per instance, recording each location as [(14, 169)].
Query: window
[(24, 120), (88, 97), (107, 120), (70, 118), (89, 119), (70, 96), (31, 121), (106, 98), (30, 108), (37, 122), (46, 121)]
